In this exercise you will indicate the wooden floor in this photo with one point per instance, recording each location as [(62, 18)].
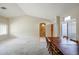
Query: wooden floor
[(62, 46)]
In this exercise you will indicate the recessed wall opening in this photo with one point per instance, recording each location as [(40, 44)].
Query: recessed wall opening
[(42, 29)]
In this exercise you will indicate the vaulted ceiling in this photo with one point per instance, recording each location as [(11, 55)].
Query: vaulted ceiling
[(41, 10)]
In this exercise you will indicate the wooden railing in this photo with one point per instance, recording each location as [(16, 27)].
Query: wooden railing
[(55, 46), (51, 44)]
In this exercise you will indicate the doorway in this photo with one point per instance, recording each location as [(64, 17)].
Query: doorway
[(42, 29)]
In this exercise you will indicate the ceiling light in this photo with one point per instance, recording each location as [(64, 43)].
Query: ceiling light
[(43, 24)]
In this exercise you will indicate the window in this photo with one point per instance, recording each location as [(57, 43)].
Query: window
[(72, 30), (69, 29), (3, 29), (68, 18), (64, 29)]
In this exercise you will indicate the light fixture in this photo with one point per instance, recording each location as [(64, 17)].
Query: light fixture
[(43, 24)]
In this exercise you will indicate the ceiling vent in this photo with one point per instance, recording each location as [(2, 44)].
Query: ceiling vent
[(3, 7)]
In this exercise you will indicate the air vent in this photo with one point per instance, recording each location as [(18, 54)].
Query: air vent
[(3, 7)]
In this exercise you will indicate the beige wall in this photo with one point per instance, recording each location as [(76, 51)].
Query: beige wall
[(4, 20), (48, 30), (26, 26)]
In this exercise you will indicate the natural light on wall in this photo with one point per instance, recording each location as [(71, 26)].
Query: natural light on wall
[(3, 29)]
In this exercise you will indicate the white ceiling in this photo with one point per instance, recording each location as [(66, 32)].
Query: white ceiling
[(12, 10), (42, 10)]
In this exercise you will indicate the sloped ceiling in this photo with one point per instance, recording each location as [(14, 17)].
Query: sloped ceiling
[(12, 10), (41, 10)]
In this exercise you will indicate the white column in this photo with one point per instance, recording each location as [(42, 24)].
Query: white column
[(58, 25), (77, 29)]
